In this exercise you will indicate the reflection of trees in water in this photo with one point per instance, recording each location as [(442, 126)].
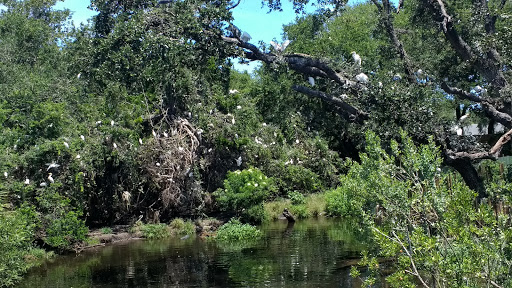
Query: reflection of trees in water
[(307, 254)]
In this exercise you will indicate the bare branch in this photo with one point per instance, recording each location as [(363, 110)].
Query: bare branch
[(349, 112)]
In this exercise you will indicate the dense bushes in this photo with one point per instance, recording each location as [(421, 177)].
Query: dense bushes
[(424, 218), (17, 252), (244, 192)]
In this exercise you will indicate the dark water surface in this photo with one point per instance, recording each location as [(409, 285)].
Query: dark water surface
[(311, 253)]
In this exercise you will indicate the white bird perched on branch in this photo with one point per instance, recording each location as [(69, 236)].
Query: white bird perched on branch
[(239, 161), (115, 145), (311, 81), (50, 178), (245, 37), (82, 137), (66, 145), (140, 141), (362, 78), (112, 123), (280, 47), (356, 58), (6, 174), (27, 181)]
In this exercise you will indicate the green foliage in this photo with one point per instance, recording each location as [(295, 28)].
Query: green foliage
[(296, 197), (155, 231), (106, 230), (180, 227), (16, 236), (234, 231), (60, 223), (418, 215), (243, 190)]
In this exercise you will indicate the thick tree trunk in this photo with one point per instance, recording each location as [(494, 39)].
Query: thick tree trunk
[(469, 174)]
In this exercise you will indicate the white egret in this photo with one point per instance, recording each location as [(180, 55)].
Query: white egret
[(115, 145), (380, 85), (464, 117), (285, 44), (397, 77), (112, 123), (98, 123), (78, 156), (78, 76), (239, 161), (245, 37), (459, 130), (276, 46), (50, 178), (238, 107), (280, 47), (52, 165), (361, 77), (233, 120), (140, 141), (165, 134), (27, 181), (66, 145), (43, 184), (82, 137), (6, 174), (157, 164), (154, 133), (356, 58), (233, 91), (311, 81)]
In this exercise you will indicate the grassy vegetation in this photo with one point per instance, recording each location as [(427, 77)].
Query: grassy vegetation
[(234, 230), (313, 206), (180, 227)]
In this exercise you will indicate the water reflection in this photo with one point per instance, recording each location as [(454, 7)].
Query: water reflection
[(312, 253)]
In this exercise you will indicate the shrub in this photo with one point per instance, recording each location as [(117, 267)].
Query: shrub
[(244, 190), (234, 230), (106, 230), (180, 227), (155, 231), (16, 236), (299, 211), (296, 197)]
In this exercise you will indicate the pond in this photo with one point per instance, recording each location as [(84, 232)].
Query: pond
[(311, 253)]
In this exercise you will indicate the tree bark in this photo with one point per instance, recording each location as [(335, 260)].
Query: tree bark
[(469, 174)]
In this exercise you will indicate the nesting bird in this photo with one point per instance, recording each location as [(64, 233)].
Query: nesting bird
[(82, 137), (356, 58), (27, 181), (66, 145), (239, 161), (50, 178), (362, 78)]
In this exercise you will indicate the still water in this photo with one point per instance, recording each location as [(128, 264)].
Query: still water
[(311, 253)]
